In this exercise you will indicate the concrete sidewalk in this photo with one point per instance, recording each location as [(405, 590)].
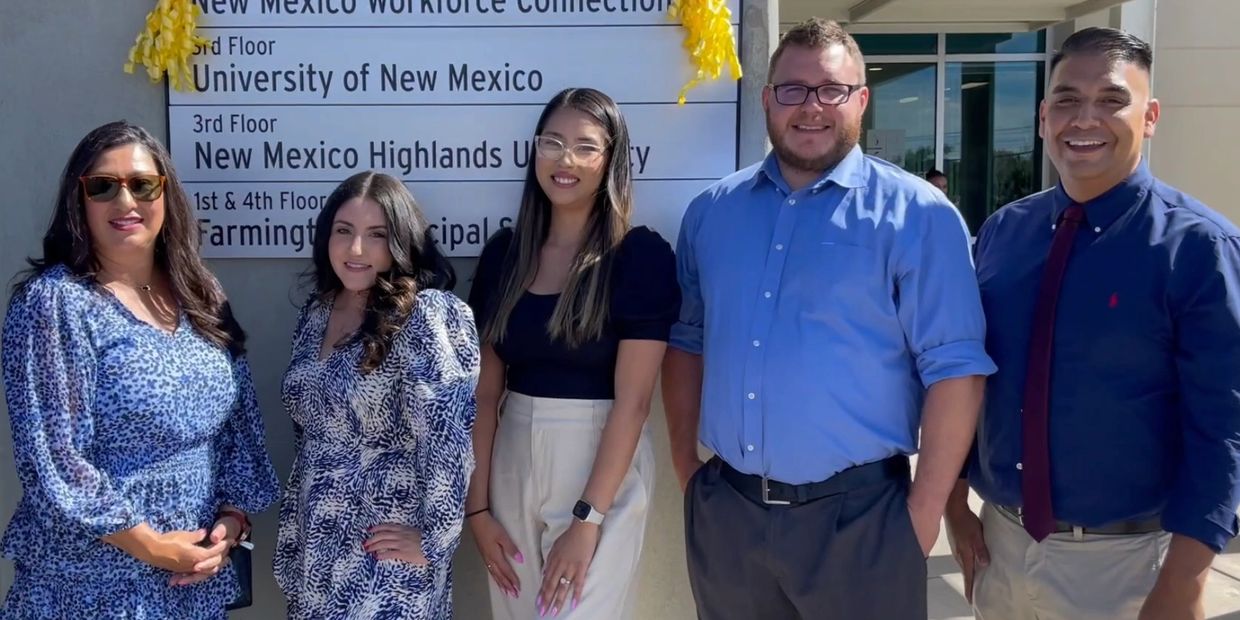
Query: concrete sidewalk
[(946, 586)]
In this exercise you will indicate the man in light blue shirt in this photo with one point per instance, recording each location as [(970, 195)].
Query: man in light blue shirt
[(829, 307)]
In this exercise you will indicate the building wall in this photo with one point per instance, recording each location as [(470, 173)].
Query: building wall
[(60, 76), (1197, 143)]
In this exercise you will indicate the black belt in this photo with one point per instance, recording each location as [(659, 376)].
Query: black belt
[(1119, 528), (766, 491)]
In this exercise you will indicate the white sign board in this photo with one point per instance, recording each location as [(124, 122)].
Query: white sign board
[(290, 97)]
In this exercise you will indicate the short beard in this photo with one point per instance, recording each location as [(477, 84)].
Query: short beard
[(848, 136)]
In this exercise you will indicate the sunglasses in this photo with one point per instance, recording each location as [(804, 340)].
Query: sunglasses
[(105, 187)]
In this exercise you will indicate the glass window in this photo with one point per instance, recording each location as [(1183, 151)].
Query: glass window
[(991, 151), (996, 43), (898, 125), (889, 44)]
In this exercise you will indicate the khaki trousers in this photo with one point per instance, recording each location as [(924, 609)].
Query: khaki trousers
[(1098, 577), (543, 455)]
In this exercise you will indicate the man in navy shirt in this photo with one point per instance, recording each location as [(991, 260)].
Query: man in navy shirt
[(1108, 452)]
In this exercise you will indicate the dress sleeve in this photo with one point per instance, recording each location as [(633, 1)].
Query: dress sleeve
[(645, 298), (245, 478), (442, 398), (50, 379), (484, 291)]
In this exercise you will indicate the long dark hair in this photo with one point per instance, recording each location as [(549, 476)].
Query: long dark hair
[(581, 312), (417, 262), (68, 241)]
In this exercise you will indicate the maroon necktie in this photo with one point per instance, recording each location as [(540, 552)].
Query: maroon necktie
[(1037, 513)]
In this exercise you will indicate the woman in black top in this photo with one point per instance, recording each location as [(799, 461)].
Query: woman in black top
[(574, 310)]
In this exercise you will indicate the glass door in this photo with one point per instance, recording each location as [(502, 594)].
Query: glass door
[(991, 151), (898, 125)]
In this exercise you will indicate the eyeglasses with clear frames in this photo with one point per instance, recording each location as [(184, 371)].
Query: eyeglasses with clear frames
[(827, 94), (554, 149)]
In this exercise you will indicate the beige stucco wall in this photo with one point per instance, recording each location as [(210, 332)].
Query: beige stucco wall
[(1197, 144)]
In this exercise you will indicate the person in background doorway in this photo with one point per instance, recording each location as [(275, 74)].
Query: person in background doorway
[(1108, 453), (937, 179)]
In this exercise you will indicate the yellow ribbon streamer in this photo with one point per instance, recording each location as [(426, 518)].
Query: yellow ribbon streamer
[(708, 39), (167, 43)]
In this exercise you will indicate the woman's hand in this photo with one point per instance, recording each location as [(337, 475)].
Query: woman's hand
[(177, 551), (566, 567), (495, 547), (393, 541), (226, 530)]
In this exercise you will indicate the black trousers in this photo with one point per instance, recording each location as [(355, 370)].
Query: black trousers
[(849, 556)]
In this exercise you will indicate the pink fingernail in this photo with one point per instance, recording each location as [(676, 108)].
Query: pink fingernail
[(519, 558), (574, 604)]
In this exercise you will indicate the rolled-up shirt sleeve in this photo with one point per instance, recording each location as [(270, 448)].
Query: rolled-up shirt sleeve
[(938, 302), (1206, 298), (687, 332)]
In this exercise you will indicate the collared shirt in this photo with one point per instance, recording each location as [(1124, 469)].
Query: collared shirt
[(1145, 382), (822, 314)]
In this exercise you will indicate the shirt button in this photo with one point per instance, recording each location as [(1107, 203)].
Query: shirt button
[(1097, 229), (779, 246), (752, 396), (749, 447), (1020, 466), (767, 294), (757, 343), (1052, 227), (792, 201)]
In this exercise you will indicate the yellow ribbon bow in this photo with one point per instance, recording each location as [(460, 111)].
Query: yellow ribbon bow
[(168, 41), (708, 39)]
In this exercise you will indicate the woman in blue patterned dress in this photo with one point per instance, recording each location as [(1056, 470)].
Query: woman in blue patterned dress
[(381, 391), (137, 436)]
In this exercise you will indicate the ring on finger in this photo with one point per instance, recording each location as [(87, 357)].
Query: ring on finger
[(565, 581)]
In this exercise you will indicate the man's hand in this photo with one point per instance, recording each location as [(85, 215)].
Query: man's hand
[(685, 468), (1181, 582), (964, 533)]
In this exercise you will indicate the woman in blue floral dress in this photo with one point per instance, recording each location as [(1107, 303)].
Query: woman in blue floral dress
[(381, 391), (137, 436)]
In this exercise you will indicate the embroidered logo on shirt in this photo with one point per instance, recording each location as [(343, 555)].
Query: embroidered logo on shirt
[(1114, 300)]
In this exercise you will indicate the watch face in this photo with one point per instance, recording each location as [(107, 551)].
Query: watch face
[(581, 510)]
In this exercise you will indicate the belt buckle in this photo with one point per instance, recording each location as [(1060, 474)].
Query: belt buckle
[(766, 495)]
